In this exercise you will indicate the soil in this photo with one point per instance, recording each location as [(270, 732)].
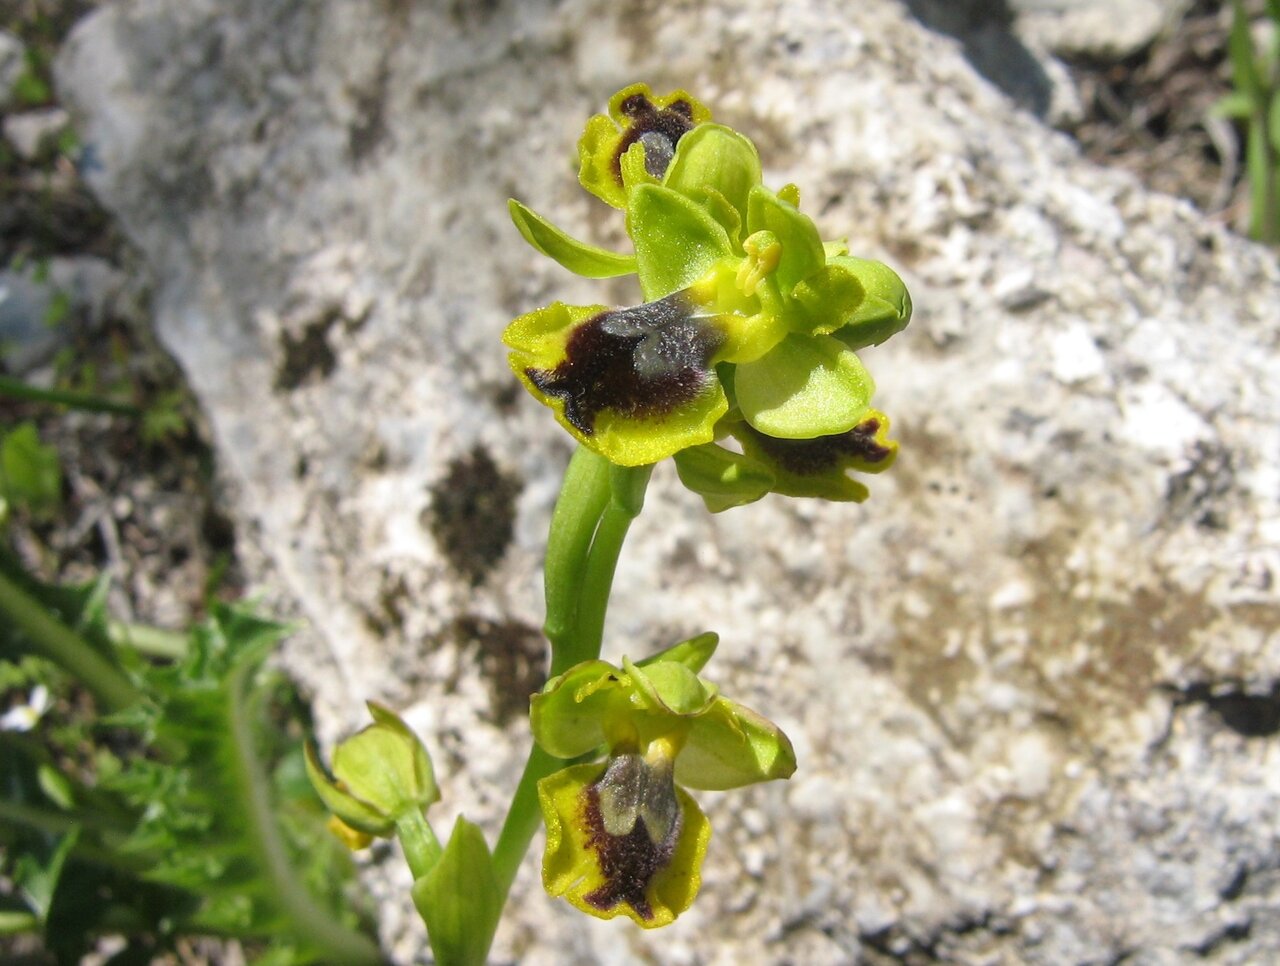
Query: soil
[(1151, 114)]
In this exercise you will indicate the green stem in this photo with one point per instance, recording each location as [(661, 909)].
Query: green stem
[(583, 498), (149, 641), (312, 923), (421, 847), (18, 389), (597, 503), (65, 647)]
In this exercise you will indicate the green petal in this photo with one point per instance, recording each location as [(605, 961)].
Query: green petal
[(806, 386), (578, 257), (802, 251), (693, 653), (731, 746), (671, 688), (722, 477), (714, 158), (676, 240)]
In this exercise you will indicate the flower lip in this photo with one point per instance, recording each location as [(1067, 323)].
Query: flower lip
[(639, 362), (633, 822), (659, 129)]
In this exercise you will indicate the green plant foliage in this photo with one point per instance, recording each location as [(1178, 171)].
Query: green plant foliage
[(1255, 103), (164, 833), (30, 474)]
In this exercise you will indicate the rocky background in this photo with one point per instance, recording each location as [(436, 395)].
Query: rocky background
[(1034, 683)]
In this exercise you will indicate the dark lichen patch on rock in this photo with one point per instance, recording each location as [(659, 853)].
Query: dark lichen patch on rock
[(1250, 713), (306, 357), (512, 656), (472, 514)]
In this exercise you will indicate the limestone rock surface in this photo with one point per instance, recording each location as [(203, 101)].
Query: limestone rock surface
[(1034, 683)]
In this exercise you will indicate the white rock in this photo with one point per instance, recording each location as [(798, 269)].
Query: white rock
[(1096, 28), (33, 132), (13, 60), (336, 148)]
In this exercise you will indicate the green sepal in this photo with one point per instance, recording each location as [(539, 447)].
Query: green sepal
[(802, 251), (577, 256), (723, 478), (730, 746), (677, 241), (693, 653), (806, 386), (459, 899), (355, 813), (829, 299), (715, 158), (884, 311)]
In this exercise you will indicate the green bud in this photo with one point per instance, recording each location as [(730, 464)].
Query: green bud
[(379, 775)]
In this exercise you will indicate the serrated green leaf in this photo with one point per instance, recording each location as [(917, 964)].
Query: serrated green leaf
[(577, 256), (459, 899), (30, 473)]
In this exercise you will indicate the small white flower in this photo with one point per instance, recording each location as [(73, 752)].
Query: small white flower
[(23, 717)]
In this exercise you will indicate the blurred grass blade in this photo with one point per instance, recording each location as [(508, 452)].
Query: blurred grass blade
[(1244, 67), (17, 389)]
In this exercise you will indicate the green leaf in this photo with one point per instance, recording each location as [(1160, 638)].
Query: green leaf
[(1238, 106), (722, 477), (1244, 69), (807, 386), (676, 240), (1257, 163), (37, 873), (30, 474), (802, 251), (577, 256), (460, 900), (1273, 120)]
